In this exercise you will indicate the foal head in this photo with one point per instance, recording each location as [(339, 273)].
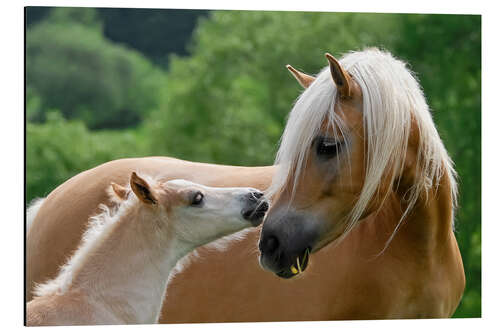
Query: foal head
[(360, 129), (195, 214)]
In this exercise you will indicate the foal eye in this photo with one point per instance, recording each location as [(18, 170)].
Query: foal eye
[(327, 148), (197, 199)]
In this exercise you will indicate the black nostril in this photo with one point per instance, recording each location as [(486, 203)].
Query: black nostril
[(257, 194), (270, 244), (254, 196), (247, 214)]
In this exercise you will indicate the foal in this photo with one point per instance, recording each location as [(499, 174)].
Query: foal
[(119, 273)]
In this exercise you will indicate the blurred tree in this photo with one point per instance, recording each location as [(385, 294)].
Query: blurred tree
[(81, 15), (71, 67), (34, 14), (59, 149), (156, 33), (33, 105)]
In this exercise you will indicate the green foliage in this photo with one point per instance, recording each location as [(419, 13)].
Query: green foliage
[(72, 68), (59, 149), (228, 102), (155, 33), (33, 105), (71, 15)]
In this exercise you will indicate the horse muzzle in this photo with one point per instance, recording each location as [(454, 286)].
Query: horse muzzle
[(286, 243)]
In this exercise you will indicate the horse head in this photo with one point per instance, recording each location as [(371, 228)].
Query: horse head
[(360, 131)]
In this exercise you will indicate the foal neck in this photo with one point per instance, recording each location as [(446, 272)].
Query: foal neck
[(127, 267)]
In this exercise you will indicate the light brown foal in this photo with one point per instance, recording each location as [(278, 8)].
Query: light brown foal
[(119, 273)]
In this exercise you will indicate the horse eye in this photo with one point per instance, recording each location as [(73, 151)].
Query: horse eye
[(197, 199), (327, 148)]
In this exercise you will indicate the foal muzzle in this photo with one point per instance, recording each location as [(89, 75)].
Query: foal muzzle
[(256, 207)]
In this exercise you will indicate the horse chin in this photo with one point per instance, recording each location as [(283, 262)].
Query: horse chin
[(285, 274), (298, 266), (302, 261)]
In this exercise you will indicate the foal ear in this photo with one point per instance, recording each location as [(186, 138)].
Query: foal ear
[(120, 192), (304, 79), (142, 189), (341, 78)]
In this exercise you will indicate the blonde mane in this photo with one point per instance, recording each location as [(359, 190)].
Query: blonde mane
[(392, 99)]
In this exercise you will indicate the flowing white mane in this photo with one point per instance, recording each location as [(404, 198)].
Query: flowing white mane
[(392, 97)]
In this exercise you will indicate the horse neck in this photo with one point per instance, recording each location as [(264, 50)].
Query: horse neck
[(128, 268), (426, 227), (432, 216)]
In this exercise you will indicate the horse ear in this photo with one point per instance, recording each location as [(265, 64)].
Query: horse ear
[(142, 189), (304, 79), (341, 78)]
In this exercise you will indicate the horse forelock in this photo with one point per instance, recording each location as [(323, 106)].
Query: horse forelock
[(392, 99), (304, 123)]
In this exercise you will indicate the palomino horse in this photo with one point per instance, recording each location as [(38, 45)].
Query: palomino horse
[(360, 154), (119, 273)]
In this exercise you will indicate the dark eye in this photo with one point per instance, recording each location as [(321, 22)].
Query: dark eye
[(327, 148), (197, 199)]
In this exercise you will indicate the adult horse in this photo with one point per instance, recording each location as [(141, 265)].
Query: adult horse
[(362, 175)]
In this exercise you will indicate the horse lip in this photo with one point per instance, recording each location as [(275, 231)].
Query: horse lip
[(303, 260), (285, 274)]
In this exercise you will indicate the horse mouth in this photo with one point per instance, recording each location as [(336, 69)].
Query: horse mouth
[(297, 267)]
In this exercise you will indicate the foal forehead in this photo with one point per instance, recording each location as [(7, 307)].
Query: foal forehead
[(182, 184)]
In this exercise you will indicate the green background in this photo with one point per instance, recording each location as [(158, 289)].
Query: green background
[(212, 86)]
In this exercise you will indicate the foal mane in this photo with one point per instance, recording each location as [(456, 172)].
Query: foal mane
[(99, 227), (392, 99)]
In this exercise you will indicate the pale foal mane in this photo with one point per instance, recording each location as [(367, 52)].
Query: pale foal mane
[(100, 227), (392, 97), (32, 211)]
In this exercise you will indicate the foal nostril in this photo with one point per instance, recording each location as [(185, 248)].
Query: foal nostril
[(255, 211), (247, 214), (257, 194), (254, 196), (270, 244)]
